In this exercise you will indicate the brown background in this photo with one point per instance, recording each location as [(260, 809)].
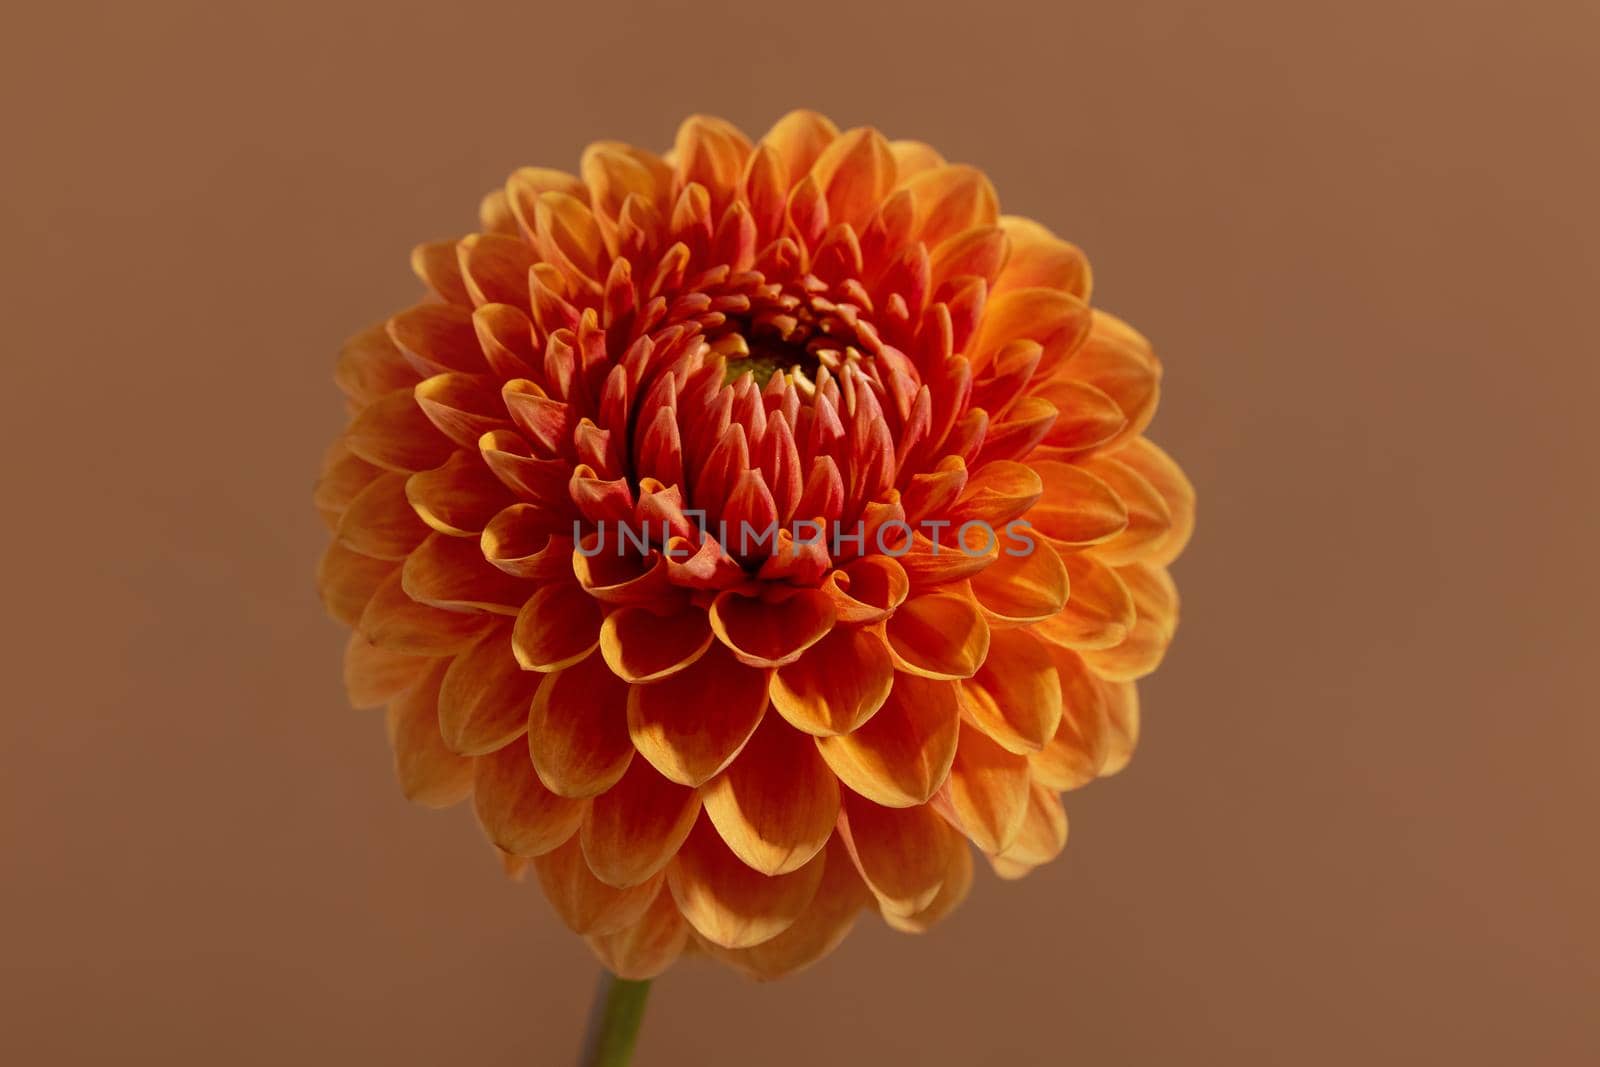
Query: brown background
[(1359, 829)]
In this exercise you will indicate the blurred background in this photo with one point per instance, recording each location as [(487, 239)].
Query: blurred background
[(1363, 239)]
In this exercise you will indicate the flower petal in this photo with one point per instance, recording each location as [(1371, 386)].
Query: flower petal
[(1044, 829), (938, 635), (586, 904), (393, 433), (459, 498), (371, 367), (837, 684), (557, 627), (1019, 589), (987, 793), (867, 589), (518, 814), (798, 139), (644, 949), (1122, 724), (901, 853), (692, 724), (1041, 260), (1077, 508), (774, 629), (1099, 611), (451, 573), (901, 756), (1015, 697), (776, 804), (728, 903), (346, 581), (1077, 752), (484, 700), (1158, 469), (1149, 521), (957, 884), (578, 729), (641, 645), (635, 827), (394, 621), (429, 773), (374, 676)]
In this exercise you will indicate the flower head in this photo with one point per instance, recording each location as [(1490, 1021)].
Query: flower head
[(752, 532)]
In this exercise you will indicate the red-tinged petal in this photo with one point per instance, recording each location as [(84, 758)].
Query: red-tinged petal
[(902, 854), (557, 627), (1087, 418), (1077, 509), (394, 621), (1122, 725), (1077, 752), (578, 729), (902, 754), (463, 407), (429, 773), (691, 724), (644, 949), (544, 482), (776, 804), (380, 521), (950, 200), (635, 827), (798, 139), (855, 172), (1026, 583), (346, 581), (373, 675), (1149, 521), (518, 814), (980, 251), (434, 262), (1041, 260), (1099, 611), (867, 589), (609, 568), (712, 153), (1158, 469), (451, 573), (526, 541), (818, 931), (545, 423), (393, 433), (370, 367), (1025, 425), (837, 684), (938, 635), (495, 268), (770, 631), (728, 903), (484, 699), (1059, 321), (1044, 829), (986, 796), (997, 493), (641, 645), (1015, 697), (957, 884), (437, 339), (586, 904), (459, 498)]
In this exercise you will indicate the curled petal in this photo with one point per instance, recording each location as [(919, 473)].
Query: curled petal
[(484, 698), (951, 199), (434, 263), (855, 172), (1126, 374), (1044, 830), (691, 724), (902, 755), (587, 905), (429, 773), (370, 367), (438, 338), (998, 493), (343, 477), (459, 498), (635, 827), (776, 804), (1086, 417), (578, 729), (729, 903), (938, 635), (1027, 587), (558, 626), (867, 589), (1156, 610), (518, 813), (641, 645), (770, 631), (837, 684), (1059, 321)]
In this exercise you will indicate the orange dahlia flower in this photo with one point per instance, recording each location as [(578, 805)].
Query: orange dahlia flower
[(752, 532)]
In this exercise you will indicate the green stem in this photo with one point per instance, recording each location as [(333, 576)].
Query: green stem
[(614, 1021)]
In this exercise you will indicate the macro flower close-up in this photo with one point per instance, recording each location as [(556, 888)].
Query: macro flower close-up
[(756, 535)]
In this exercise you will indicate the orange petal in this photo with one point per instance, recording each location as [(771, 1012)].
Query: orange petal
[(394, 621), (437, 338), (1122, 725), (429, 773), (380, 522), (346, 581), (1158, 469), (643, 646), (912, 158), (494, 268), (957, 884), (938, 635), (1059, 321), (635, 828), (570, 236), (435, 264), (373, 675), (1085, 417), (728, 903), (557, 627), (818, 931), (459, 498), (997, 493), (393, 433), (578, 729), (1155, 602), (855, 172), (1019, 589), (900, 756), (1099, 611), (370, 367), (1075, 755), (646, 948), (776, 804), (987, 793), (867, 589), (951, 199), (1127, 374), (1041, 260), (837, 684), (798, 139), (692, 724), (484, 700), (451, 573), (1077, 508), (1015, 697), (586, 904), (771, 631), (1044, 830), (1149, 521), (711, 152), (343, 476), (517, 813), (902, 853)]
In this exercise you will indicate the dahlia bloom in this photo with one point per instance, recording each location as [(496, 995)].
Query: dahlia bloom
[(543, 505)]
